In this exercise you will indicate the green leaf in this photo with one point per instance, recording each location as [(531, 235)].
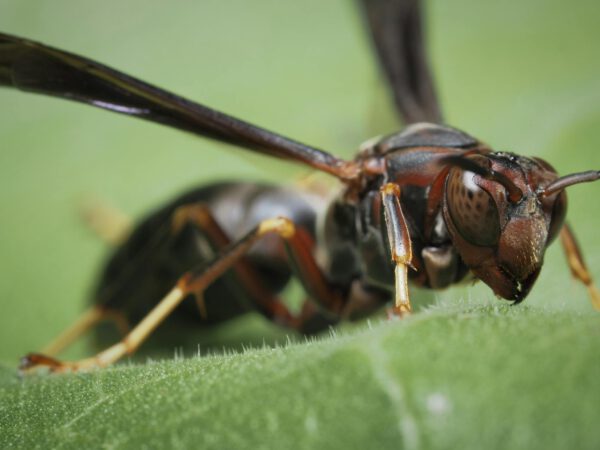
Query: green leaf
[(463, 377)]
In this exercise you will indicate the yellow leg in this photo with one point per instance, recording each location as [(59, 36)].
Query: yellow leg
[(577, 264), (110, 224), (400, 246), (402, 306), (87, 320), (193, 282)]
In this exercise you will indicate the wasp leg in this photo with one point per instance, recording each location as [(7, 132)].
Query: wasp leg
[(577, 264), (400, 246), (192, 282), (87, 320), (200, 216), (299, 245), (103, 220), (106, 221)]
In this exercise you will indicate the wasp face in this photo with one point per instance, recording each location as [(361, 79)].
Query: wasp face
[(502, 228)]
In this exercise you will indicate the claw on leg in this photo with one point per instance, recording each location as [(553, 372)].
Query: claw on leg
[(194, 281), (128, 345), (34, 361)]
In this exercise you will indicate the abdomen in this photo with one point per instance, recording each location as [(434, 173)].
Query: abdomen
[(150, 262)]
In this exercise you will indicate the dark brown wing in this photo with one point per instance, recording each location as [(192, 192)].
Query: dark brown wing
[(34, 67), (396, 28)]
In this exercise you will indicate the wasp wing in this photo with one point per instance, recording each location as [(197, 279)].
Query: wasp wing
[(34, 67), (397, 31)]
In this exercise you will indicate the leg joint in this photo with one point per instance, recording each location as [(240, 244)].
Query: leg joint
[(193, 213), (280, 225)]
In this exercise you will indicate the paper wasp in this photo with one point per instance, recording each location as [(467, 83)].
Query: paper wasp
[(430, 203)]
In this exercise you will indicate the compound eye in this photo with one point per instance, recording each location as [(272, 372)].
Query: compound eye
[(472, 210)]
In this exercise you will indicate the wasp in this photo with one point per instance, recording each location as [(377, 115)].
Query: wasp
[(429, 204)]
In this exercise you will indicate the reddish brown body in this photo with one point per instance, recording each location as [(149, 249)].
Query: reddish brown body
[(458, 221)]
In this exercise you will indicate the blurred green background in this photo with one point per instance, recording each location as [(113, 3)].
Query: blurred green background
[(523, 76)]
